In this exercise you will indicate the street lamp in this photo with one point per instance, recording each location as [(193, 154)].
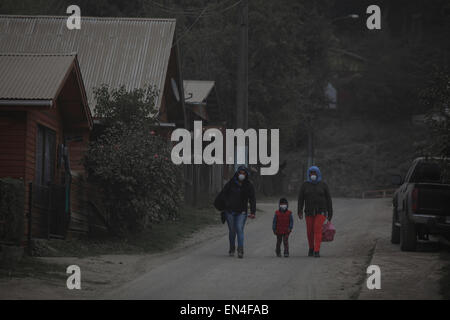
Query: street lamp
[(349, 16)]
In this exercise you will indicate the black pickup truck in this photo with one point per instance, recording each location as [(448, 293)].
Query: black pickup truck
[(421, 205)]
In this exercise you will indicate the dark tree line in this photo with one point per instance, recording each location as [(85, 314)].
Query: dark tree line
[(292, 45)]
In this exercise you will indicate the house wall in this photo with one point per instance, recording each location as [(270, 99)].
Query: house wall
[(78, 199), (52, 120), (18, 130), (171, 110), (47, 118), (78, 149), (12, 144), (18, 140)]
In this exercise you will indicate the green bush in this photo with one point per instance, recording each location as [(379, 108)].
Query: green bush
[(12, 214), (132, 166)]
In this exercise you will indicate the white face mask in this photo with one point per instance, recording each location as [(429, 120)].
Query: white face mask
[(283, 207), (313, 177), (241, 177)]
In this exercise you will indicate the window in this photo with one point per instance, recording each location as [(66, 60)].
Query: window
[(431, 172), (45, 155)]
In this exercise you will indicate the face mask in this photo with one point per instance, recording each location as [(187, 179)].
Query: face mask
[(283, 207), (313, 177), (241, 177)]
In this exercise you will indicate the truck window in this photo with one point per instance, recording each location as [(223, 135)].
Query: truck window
[(428, 172), (410, 171)]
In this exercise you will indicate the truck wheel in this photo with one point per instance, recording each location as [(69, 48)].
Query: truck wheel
[(395, 231), (408, 234)]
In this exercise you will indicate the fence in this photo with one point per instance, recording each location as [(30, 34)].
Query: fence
[(383, 193)]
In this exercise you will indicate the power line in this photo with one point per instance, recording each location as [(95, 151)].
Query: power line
[(198, 18), (230, 7), (187, 10), (212, 10), (188, 29)]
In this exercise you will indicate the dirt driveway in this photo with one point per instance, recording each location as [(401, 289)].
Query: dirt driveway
[(201, 269)]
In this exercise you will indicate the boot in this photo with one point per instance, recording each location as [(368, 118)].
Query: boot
[(310, 252), (286, 254), (231, 251), (278, 252), (316, 254), (240, 252)]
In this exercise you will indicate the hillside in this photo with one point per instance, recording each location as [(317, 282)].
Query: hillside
[(355, 154)]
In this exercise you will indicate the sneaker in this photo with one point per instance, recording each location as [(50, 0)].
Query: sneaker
[(231, 252), (316, 254), (278, 253), (240, 253), (286, 254), (310, 252)]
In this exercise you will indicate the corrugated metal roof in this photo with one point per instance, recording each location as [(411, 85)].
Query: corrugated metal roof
[(196, 91), (116, 51), (33, 76)]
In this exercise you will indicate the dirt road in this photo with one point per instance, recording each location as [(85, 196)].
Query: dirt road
[(200, 268), (206, 272)]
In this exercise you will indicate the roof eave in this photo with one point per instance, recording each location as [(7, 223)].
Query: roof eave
[(40, 103)]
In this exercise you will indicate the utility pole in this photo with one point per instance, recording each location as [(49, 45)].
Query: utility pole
[(310, 133), (310, 145), (242, 74)]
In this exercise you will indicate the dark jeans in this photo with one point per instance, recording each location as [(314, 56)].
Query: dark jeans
[(285, 239), (236, 223)]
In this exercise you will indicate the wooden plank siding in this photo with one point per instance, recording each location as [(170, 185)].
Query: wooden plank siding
[(12, 139), (47, 118), (52, 120), (18, 140), (78, 149)]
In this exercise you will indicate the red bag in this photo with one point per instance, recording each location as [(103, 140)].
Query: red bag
[(328, 231)]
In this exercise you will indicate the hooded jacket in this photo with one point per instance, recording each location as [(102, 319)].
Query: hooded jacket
[(238, 195), (315, 196)]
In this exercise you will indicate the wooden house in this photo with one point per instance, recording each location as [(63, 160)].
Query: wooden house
[(202, 104), (45, 123), (129, 52)]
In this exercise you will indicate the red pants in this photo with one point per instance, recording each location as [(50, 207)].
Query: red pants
[(314, 230)]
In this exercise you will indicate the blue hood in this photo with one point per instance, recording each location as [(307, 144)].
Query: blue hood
[(319, 174), (242, 168)]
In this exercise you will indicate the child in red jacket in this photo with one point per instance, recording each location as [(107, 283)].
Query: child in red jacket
[(282, 226)]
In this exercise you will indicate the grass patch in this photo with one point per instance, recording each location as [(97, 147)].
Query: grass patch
[(166, 235), (162, 236), (29, 267)]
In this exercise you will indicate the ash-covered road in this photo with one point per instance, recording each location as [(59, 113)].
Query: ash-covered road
[(205, 271)]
